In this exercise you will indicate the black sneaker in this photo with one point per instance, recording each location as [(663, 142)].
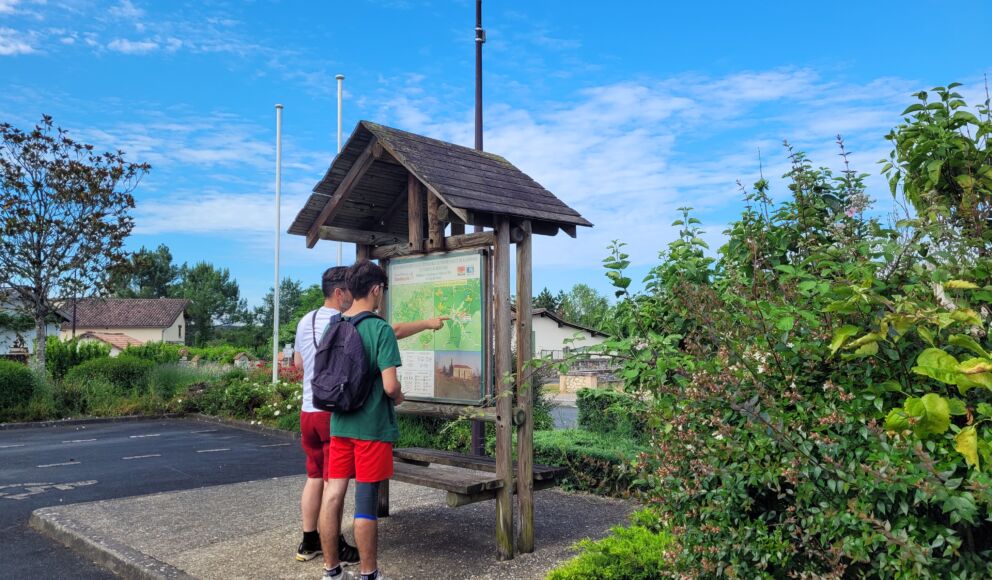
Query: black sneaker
[(347, 553), (306, 552)]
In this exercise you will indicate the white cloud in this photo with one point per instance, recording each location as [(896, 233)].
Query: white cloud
[(13, 42), (126, 10), (126, 46), (7, 6)]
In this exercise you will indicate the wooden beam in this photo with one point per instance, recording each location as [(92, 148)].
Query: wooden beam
[(402, 160), (358, 236), (571, 230), (525, 392), (461, 242), (504, 390), (358, 169), (363, 252), (457, 229), (388, 215), (435, 227), (415, 211), (544, 228)]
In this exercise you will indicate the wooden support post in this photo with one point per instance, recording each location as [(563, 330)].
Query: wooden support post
[(415, 212), (362, 252), (435, 229), (525, 395), (382, 510), (504, 390)]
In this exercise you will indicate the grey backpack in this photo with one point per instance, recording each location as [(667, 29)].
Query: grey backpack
[(341, 376)]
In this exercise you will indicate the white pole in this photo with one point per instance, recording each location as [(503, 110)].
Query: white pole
[(275, 287), (340, 79)]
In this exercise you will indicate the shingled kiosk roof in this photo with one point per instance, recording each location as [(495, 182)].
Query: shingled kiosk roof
[(362, 197), (125, 312)]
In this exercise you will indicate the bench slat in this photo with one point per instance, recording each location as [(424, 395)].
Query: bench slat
[(461, 482), (421, 455)]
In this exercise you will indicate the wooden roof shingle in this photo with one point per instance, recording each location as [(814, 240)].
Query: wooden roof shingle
[(472, 183)]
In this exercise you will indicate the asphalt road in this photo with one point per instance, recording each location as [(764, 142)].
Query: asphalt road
[(565, 417), (41, 467)]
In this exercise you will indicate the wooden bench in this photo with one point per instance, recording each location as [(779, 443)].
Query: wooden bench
[(466, 478)]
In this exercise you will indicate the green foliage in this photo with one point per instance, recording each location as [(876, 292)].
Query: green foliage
[(214, 297), (630, 553), (165, 352), (820, 394), (609, 412), (64, 355), (17, 385), (603, 464), (122, 375), (145, 274)]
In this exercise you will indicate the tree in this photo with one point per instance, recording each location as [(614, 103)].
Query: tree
[(585, 306), (66, 214), (290, 297), (214, 298), (145, 274), (546, 300)]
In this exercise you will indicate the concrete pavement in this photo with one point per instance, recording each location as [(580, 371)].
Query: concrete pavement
[(251, 529)]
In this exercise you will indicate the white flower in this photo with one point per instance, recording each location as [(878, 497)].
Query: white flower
[(180, 401), (288, 407), (277, 413)]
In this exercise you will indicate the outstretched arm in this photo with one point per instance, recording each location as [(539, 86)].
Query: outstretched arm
[(406, 329)]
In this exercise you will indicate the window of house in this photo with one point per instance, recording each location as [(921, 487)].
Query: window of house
[(180, 331)]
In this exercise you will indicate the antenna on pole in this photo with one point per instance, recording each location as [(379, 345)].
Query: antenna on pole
[(275, 288), (340, 79)]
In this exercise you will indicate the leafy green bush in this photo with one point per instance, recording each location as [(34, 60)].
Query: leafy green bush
[(60, 356), (610, 412), (166, 380), (631, 553), (17, 385), (436, 433), (123, 374), (167, 352), (822, 389), (595, 462)]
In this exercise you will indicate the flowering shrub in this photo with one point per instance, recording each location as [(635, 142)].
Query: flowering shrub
[(820, 392)]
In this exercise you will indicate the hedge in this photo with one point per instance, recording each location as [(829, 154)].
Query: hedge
[(597, 463), (17, 384), (124, 374), (610, 412)]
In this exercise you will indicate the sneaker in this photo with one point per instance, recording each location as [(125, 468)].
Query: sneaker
[(347, 553), (340, 575), (305, 552)]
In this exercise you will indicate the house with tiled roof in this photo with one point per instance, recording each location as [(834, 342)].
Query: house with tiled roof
[(122, 322)]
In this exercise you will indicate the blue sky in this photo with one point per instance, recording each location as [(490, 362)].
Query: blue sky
[(625, 110)]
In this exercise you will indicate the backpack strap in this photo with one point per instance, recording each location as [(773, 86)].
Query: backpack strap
[(362, 317), (313, 326)]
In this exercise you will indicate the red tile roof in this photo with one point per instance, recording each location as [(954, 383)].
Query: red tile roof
[(117, 340), (125, 312)]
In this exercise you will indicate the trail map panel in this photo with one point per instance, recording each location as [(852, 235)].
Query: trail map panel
[(446, 365)]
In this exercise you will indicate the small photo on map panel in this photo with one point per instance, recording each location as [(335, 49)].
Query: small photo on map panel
[(457, 374)]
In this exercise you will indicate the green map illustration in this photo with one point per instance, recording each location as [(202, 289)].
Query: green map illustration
[(460, 300)]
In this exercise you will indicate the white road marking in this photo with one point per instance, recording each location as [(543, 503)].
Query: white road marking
[(141, 456), (143, 436), (275, 445), (213, 450), (9, 446), (36, 488), (78, 440), (59, 464), (205, 431)]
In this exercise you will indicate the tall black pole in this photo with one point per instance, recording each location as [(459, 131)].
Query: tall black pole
[(478, 427)]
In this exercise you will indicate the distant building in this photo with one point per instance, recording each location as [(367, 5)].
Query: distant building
[(553, 337), (122, 322), (12, 308)]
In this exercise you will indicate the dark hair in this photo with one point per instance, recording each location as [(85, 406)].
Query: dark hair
[(363, 276), (333, 278)]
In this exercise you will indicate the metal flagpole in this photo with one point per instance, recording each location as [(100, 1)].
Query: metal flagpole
[(275, 287), (478, 427), (340, 79)]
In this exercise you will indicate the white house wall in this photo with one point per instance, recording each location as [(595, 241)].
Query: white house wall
[(7, 338), (548, 336)]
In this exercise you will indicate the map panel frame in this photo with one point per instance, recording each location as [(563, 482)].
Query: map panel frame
[(451, 365)]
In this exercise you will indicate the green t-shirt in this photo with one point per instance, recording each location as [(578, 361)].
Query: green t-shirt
[(376, 420)]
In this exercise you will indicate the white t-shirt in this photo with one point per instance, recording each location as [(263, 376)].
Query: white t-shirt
[(305, 336)]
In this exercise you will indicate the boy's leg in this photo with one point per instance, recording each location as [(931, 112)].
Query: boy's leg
[(373, 464), (314, 438), (330, 519)]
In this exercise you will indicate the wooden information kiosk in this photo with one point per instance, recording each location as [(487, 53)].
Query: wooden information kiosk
[(405, 200)]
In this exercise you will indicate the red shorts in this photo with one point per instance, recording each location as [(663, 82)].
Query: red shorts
[(315, 437), (366, 461)]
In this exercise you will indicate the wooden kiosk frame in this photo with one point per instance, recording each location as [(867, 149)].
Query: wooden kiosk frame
[(395, 193)]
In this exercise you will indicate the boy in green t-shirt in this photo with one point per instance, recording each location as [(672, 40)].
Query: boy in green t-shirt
[(362, 441)]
